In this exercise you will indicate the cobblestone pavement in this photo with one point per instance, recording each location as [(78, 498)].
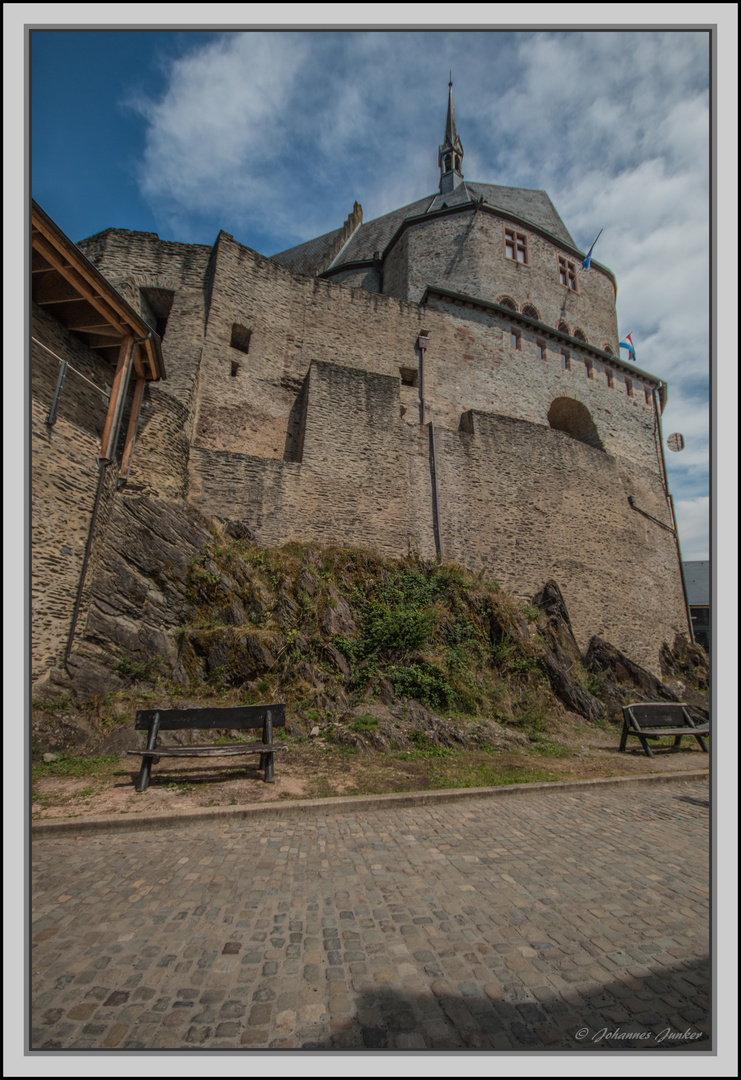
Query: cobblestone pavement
[(492, 923)]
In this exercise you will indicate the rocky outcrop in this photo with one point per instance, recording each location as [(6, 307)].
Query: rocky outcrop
[(561, 654), (687, 662)]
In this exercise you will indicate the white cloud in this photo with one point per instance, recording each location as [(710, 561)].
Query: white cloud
[(279, 133)]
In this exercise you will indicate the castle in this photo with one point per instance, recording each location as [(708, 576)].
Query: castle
[(445, 380)]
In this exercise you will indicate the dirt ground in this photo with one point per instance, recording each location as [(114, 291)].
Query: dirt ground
[(311, 768)]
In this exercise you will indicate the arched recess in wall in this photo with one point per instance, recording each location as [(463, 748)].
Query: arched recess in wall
[(508, 302), (531, 312), (574, 418)]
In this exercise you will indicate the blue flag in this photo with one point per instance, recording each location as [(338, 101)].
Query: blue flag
[(588, 260)]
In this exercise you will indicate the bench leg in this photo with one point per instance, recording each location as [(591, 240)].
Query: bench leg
[(702, 743), (646, 747), (677, 740), (267, 738), (269, 778), (142, 780), (624, 738)]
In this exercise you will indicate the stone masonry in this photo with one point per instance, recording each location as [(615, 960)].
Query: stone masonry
[(292, 404)]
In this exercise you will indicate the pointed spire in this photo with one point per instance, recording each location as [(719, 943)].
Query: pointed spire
[(450, 154)]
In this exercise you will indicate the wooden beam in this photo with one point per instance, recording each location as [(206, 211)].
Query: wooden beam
[(70, 273), (128, 450), (52, 288), (39, 265), (88, 274), (115, 403), (97, 339)]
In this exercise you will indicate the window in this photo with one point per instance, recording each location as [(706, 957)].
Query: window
[(540, 347), (409, 376), (508, 302), (515, 246), (574, 419), (240, 338), (629, 387), (610, 379), (235, 369), (514, 339), (566, 272), (579, 335), (565, 361), (564, 328), (531, 312), (589, 368), (647, 395), (155, 305), (608, 350)]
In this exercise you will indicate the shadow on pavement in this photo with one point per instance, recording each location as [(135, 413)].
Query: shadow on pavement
[(668, 1010)]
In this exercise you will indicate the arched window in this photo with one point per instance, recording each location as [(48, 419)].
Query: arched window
[(564, 328), (508, 302), (574, 419), (531, 312), (608, 350), (580, 335)]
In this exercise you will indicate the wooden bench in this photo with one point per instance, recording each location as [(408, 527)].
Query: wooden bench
[(245, 718), (652, 720)]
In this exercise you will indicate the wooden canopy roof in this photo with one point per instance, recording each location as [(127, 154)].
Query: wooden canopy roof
[(67, 285)]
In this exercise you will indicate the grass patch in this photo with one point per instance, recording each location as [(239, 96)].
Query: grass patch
[(482, 775), (364, 723), (67, 765)]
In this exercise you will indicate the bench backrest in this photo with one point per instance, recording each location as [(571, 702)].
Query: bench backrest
[(658, 714), (243, 717)]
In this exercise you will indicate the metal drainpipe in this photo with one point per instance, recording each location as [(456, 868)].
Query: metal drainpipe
[(436, 494), (670, 502), (51, 418), (103, 464), (422, 343)]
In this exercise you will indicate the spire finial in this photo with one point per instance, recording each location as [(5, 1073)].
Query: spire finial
[(450, 154)]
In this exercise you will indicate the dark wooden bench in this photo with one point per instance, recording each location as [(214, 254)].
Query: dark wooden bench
[(245, 718), (653, 720)]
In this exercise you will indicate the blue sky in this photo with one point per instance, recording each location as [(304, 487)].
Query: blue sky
[(273, 135)]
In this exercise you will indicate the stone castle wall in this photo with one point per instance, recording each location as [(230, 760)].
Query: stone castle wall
[(289, 406), (64, 480)]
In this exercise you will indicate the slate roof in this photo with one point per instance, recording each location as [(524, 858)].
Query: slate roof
[(697, 580), (310, 257), (530, 204)]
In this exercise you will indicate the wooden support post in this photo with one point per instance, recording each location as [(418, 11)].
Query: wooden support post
[(128, 450), (115, 404)]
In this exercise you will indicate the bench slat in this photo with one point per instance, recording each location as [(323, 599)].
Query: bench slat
[(209, 751), (658, 733), (242, 717)]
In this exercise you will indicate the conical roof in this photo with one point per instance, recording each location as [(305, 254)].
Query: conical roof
[(452, 141)]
